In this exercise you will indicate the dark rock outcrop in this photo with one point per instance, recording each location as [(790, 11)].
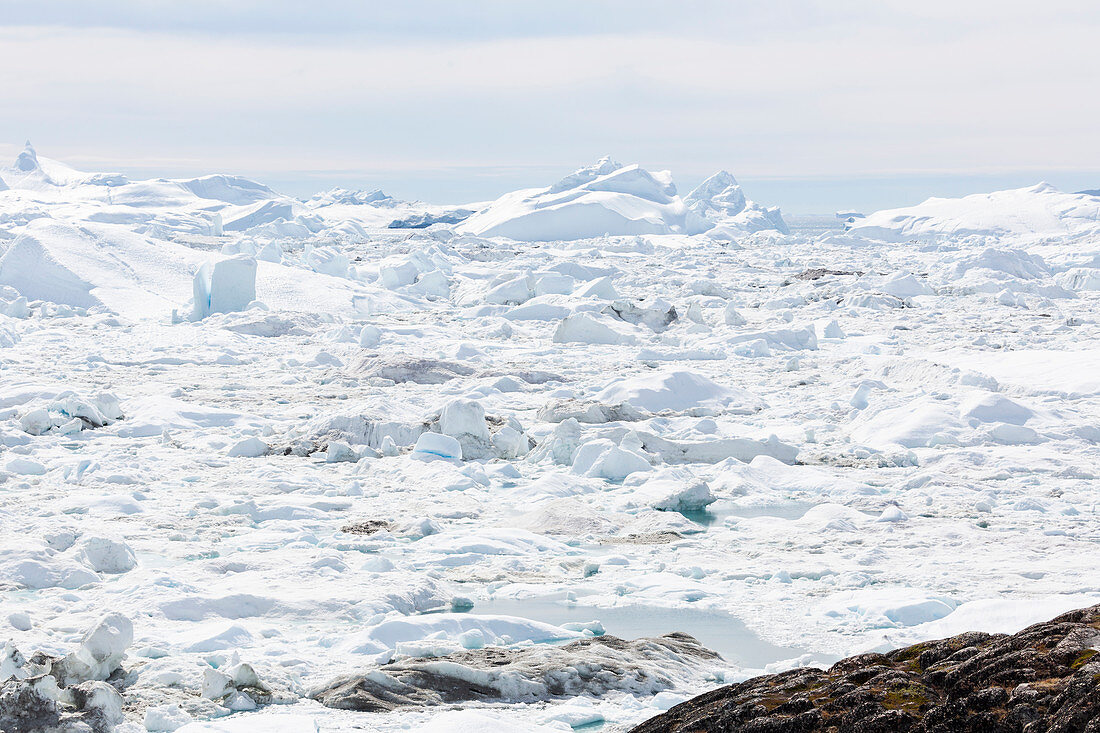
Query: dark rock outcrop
[(1045, 679)]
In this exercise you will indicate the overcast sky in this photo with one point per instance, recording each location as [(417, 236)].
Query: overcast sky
[(813, 105)]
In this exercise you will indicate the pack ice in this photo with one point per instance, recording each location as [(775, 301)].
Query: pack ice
[(551, 462)]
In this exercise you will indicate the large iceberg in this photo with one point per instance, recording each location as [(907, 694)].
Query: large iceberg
[(230, 189), (721, 199), (1038, 210), (31, 172), (605, 198)]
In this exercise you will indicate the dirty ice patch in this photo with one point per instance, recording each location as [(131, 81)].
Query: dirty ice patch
[(679, 391)]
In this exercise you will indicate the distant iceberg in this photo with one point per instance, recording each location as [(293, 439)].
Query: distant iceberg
[(604, 198), (1040, 210), (721, 200)]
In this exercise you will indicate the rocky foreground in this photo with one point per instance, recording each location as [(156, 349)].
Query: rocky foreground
[(1044, 679)]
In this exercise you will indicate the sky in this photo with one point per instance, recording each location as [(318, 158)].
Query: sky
[(814, 105)]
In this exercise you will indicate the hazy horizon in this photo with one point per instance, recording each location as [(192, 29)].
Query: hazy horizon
[(820, 195)]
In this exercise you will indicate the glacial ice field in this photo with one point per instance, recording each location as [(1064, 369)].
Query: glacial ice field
[(552, 462)]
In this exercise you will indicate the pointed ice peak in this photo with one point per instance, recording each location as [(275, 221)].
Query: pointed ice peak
[(713, 186), (720, 194), (604, 165), (1043, 187), (724, 179), (27, 160), (581, 176)]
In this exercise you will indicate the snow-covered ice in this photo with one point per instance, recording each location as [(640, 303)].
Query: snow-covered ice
[(260, 455)]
